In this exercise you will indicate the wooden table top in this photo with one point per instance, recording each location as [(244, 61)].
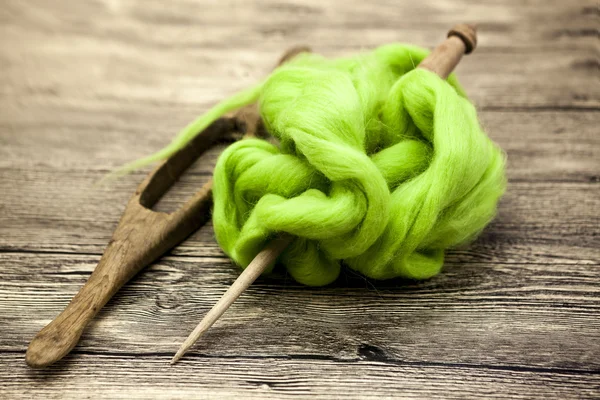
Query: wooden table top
[(87, 86)]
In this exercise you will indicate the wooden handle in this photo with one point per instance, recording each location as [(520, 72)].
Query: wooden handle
[(141, 237), (58, 338)]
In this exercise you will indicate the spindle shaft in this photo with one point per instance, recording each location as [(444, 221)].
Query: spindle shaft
[(462, 39), (258, 265)]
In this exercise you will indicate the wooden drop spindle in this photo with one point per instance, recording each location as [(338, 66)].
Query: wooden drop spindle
[(462, 39)]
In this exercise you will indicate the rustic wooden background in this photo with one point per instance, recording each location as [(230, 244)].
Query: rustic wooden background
[(86, 86)]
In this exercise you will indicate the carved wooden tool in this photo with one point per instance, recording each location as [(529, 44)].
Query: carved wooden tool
[(462, 39), (142, 235)]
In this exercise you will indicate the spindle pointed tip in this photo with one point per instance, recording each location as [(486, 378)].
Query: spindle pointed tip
[(190, 340), (177, 356), (259, 264)]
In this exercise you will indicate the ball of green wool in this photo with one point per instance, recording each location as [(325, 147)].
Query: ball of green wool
[(380, 166)]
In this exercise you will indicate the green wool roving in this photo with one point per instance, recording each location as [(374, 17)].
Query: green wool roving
[(380, 165)]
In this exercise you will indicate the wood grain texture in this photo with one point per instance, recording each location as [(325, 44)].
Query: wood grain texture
[(87, 86), (287, 377), (544, 222), (479, 313), (539, 55)]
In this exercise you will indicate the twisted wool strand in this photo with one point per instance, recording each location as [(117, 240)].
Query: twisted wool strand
[(381, 166)]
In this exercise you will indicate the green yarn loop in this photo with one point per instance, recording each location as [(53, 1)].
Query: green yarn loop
[(381, 166)]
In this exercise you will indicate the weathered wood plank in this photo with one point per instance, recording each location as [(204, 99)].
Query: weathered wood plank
[(528, 315), (541, 146), (87, 86), (197, 52), (540, 222), (368, 377), (257, 24)]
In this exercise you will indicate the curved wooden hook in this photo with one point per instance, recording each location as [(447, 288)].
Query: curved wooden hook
[(142, 235)]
